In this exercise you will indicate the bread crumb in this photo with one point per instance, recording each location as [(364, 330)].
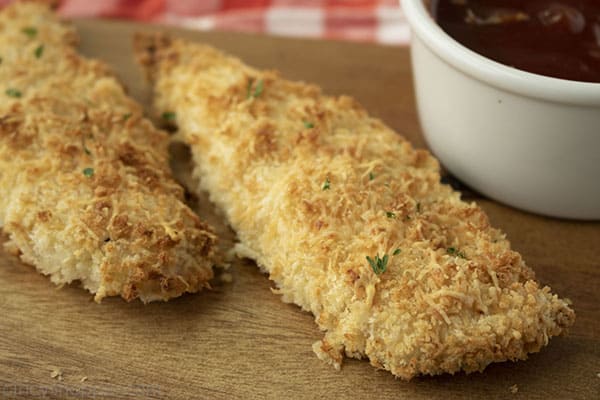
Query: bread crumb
[(598, 374), (83, 379), (11, 248), (226, 278), (231, 254), (513, 389), (56, 374)]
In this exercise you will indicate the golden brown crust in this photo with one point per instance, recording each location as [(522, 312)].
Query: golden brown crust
[(313, 186), (86, 189)]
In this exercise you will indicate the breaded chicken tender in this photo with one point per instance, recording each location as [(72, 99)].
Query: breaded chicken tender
[(86, 191), (350, 221)]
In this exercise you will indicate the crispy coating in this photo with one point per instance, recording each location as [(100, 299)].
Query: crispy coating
[(313, 186), (86, 188)]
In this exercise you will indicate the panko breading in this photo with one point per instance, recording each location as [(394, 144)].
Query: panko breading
[(313, 186), (86, 189)]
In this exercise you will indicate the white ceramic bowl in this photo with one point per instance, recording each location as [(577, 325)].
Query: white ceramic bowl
[(526, 140)]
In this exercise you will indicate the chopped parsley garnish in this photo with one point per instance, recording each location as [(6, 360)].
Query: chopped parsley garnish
[(327, 184), (453, 251), (126, 117), (39, 51), (371, 176), (13, 93), (258, 88), (390, 214), (89, 172), (169, 116), (396, 252), (30, 31), (379, 265), (308, 124), (85, 148)]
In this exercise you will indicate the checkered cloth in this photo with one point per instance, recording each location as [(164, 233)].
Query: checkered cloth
[(379, 21)]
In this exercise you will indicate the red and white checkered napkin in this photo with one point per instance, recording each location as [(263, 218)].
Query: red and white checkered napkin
[(380, 21)]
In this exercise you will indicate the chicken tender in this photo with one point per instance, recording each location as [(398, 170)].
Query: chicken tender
[(350, 221), (86, 189)]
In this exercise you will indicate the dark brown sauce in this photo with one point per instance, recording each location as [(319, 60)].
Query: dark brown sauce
[(560, 39)]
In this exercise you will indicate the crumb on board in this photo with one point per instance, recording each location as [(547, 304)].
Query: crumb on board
[(598, 374), (226, 278), (513, 389), (83, 379), (56, 374), (231, 254)]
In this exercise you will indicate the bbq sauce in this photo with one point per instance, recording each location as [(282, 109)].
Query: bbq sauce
[(560, 39)]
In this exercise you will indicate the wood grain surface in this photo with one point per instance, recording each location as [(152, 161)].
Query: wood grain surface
[(240, 341)]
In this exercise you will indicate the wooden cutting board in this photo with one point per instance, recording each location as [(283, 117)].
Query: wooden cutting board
[(240, 340)]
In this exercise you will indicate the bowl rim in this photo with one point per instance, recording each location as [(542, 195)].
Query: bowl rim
[(494, 73)]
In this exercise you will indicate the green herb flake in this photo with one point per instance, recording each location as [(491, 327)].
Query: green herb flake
[(83, 144), (396, 252), (39, 51), (379, 265), (371, 176), (308, 124), (13, 93), (89, 172), (453, 251), (30, 31), (327, 184), (258, 88), (169, 116), (390, 214), (127, 116)]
